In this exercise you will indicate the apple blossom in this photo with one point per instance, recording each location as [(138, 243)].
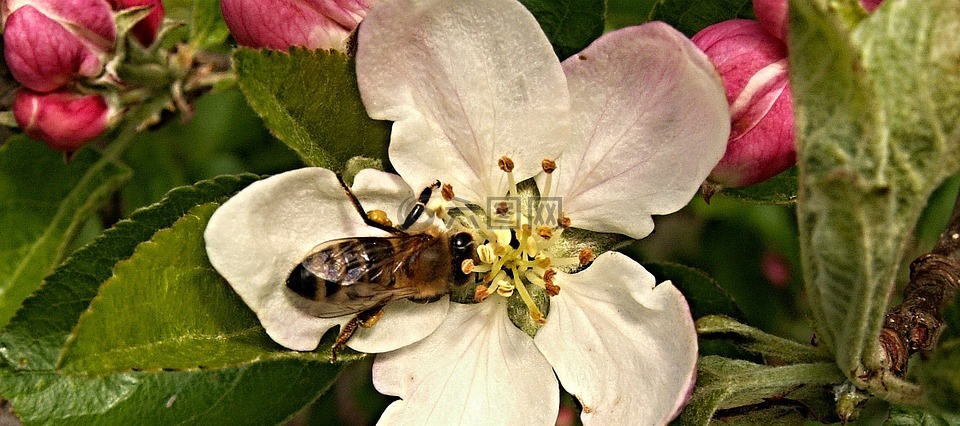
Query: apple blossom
[(47, 43), (628, 128), (62, 119), (146, 30), (279, 24), (753, 65)]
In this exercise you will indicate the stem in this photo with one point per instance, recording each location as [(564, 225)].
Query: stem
[(915, 324)]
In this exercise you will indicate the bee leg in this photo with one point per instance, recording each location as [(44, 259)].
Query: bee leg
[(418, 209), (365, 319), (370, 317), (363, 213)]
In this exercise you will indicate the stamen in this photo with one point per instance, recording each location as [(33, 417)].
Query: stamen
[(486, 253), (505, 164), (586, 256), (545, 232), (467, 266), (535, 313), (563, 222), (552, 289), (548, 276), (446, 191), (531, 247), (380, 217), (481, 293), (548, 167)]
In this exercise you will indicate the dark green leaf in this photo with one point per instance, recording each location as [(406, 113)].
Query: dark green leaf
[(878, 129), (728, 384), (33, 339), (702, 292), (45, 200), (780, 189), (155, 171), (691, 16), (265, 392), (571, 25), (310, 101)]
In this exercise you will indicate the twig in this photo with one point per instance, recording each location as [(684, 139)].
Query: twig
[(915, 324)]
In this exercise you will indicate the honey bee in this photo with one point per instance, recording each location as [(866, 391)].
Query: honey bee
[(361, 275)]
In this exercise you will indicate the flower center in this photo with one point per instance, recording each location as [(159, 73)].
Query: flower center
[(515, 249)]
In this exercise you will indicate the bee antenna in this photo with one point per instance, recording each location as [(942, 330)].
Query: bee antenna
[(418, 209)]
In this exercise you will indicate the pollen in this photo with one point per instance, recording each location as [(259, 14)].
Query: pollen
[(481, 294), (563, 222), (467, 267), (446, 191), (486, 253), (545, 232), (505, 164), (552, 289), (548, 165), (586, 256), (380, 217)]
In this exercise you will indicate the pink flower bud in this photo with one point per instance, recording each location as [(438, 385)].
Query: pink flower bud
[(772, 14), (50, 42), (62, 119), (146, 30), (279, 24), (753, 66)]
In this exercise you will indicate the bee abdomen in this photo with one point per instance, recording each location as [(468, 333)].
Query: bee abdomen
[(306, 284)]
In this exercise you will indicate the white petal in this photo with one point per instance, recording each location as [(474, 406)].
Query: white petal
[(257, 237), (466, 82), (477, 367), (650, 121), (626, 349), (402, 323)]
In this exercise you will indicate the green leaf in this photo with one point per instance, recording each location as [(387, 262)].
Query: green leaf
[(941, 378), (33, 339), (878, 107), (906, 417), (264, 392), (310, 101), (166, 308), (45, 200), (756, 341), (780, 189), (571, 25), (742, 386), (691, 16), (703, 294), (207, 27), (155, 171)]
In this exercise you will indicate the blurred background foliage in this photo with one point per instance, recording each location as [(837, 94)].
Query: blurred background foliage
[(750, 250)]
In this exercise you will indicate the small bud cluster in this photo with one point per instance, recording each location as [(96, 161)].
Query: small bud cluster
[(52, 47)]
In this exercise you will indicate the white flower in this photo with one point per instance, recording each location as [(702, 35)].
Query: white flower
[(635, 123)]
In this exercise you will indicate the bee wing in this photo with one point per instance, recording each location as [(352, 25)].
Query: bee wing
[(352, 275)]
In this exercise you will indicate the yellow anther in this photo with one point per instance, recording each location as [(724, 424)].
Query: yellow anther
[(503, 236), (486, 253), (543, 262), (380, 217)]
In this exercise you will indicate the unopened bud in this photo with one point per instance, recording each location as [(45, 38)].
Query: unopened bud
[(753, 66), (279, 24), (48, 43), (63, 120)]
